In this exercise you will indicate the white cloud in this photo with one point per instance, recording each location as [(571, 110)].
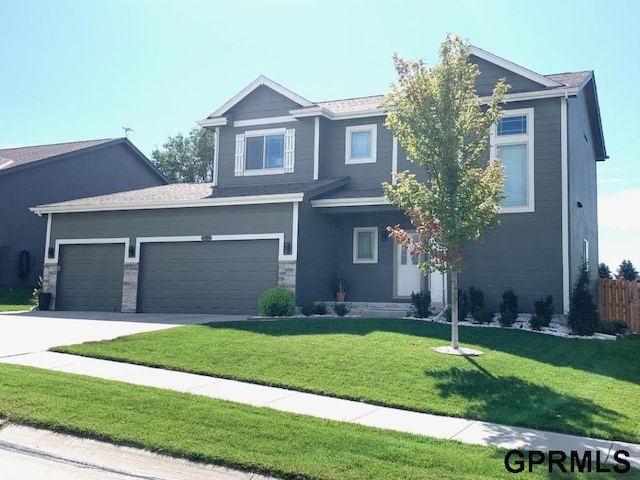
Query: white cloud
[(619, 227)]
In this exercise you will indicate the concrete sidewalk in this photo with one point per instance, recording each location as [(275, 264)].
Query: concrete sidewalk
[(449, 428)]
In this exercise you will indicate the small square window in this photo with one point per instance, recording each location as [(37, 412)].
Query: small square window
[(365, 245), (360, 144)]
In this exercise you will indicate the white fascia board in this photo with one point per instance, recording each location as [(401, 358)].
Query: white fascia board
[(349, 202), (213, 122), (264, 121), (313, 111), (519, 97), (512, 67), (215, 202), (261, 80)]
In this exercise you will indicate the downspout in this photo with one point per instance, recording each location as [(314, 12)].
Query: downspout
[(564, 147)]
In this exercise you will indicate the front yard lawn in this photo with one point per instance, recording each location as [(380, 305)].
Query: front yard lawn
[(255, 439), (15, 298), (584, 387)]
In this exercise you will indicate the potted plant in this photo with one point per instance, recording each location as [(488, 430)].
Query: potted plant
[(339, 285), (44, 298)]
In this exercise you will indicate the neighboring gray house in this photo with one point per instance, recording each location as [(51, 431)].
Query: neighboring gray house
[(54, 173), (296, 199)]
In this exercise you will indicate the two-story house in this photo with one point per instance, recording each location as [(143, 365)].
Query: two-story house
[(296, 199)]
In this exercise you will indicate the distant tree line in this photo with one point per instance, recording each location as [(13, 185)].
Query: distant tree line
[(626, 271)]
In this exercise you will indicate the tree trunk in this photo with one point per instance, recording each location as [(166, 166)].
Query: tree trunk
[(454, 310)]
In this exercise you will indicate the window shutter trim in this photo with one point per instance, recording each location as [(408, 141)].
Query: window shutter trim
[(289, 149), (239, 170)]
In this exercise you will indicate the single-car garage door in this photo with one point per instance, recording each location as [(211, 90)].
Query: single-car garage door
[(206, 277), (90, 277)]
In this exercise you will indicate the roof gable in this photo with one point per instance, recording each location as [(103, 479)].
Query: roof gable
[(260, 81), (512, 67), (13, 159)]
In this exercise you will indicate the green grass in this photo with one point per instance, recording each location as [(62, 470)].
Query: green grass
[(15, 298), (241, 436), (584, 387)]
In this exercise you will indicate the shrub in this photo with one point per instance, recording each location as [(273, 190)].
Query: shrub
[(508, 308), (464, 304), (276, 302), (447, 314), (341, 309), (421, 304), (319, 308), (612, 327), (537, 322), (476, 299), (484, 315), (583, 315), (544, 312), (307, 310)]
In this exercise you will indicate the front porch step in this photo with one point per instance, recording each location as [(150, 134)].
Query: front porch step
[(384, 309)]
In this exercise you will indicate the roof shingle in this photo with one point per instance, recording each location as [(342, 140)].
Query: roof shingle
[(13, 157)]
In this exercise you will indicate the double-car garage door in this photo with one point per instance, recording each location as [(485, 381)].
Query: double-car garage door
[(174, 277)]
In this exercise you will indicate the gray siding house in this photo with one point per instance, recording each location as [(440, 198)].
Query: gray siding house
[(54, 173), (296, 200)]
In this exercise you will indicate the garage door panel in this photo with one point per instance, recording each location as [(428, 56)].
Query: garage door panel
[(206, 277), (90, 277)]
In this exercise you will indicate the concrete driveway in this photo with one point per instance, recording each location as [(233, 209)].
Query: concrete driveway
[(38, 331)]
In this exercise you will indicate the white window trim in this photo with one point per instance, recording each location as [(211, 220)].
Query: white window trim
[(374, 246), (527, 139), (254, 172), (373, 128)]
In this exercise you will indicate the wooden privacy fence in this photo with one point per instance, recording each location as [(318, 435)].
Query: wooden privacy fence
[(620, 300)]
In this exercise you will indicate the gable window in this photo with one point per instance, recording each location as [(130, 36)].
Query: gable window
[(361, 144), (512, 142), (365, 245), (265, 152)]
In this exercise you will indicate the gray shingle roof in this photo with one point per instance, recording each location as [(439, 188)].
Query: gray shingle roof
[(353, 105), (570, 79), (13, 157), (354, 193), (361, 104), (193, 192)]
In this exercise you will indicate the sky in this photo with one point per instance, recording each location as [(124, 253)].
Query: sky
[(80, 70)]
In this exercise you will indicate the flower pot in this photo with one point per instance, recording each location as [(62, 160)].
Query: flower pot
[(341, 296), (44, 300)]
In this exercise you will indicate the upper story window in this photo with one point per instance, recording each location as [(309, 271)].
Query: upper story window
[(512, 142), (361, 144), (265, 152)]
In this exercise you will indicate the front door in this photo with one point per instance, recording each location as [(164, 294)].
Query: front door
[(408, 275)]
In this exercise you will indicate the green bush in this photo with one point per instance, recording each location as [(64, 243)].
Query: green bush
[(612, 327), (484, 315), (319, 308), (583, 314), (341, 309), (544, 312), (276, 302), (464, 304), (421, 304), (476, 300), (508, 308), (307, 310)]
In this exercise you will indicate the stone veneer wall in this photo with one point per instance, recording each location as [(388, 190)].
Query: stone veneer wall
[(50, 282), (130, 287), (287, 275)]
